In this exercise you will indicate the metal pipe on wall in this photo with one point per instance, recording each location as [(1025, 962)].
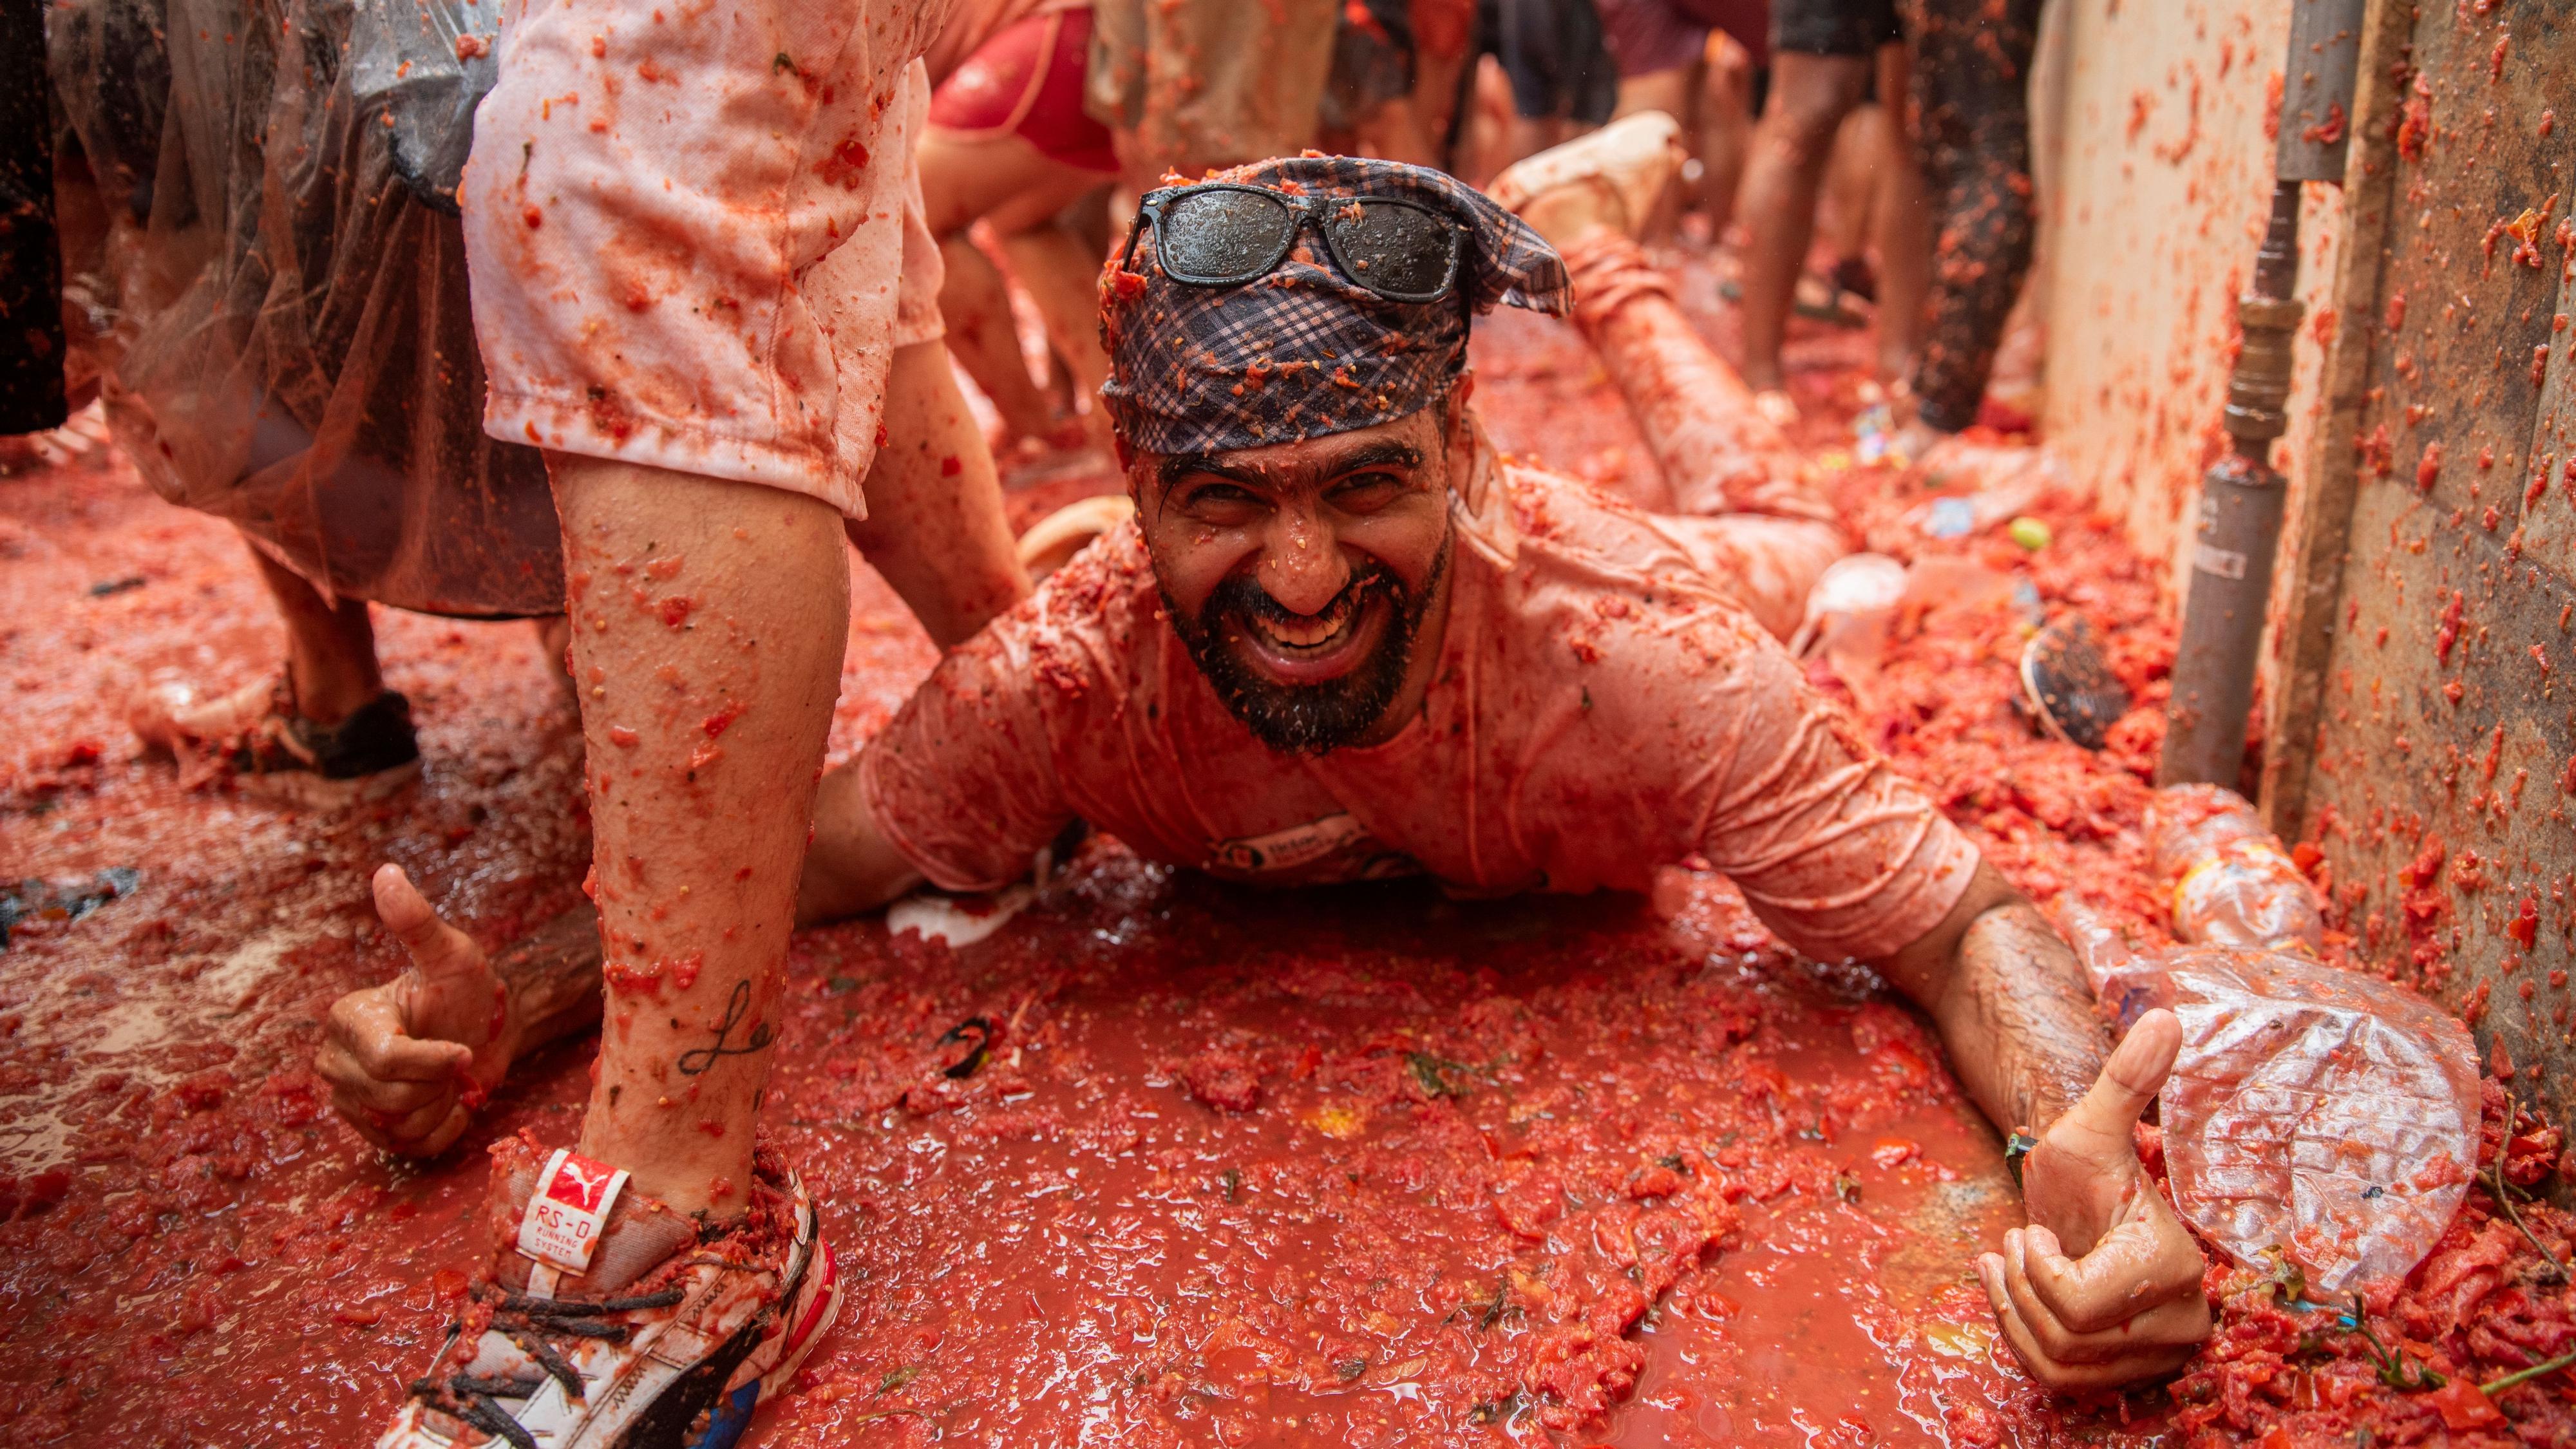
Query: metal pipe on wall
[(2242, 494)]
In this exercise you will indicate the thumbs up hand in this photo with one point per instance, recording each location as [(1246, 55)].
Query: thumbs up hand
[(407, 1059), (2104, 1287)]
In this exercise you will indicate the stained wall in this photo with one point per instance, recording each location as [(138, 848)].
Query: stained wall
[(2162, 179), (2419, 722)]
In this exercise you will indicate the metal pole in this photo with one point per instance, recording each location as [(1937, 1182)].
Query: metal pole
[(2242, 494)]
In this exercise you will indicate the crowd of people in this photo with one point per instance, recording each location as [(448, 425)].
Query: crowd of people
[(633, 323)]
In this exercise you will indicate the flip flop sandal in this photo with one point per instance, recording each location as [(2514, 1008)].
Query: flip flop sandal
[(364, 758), (1831, 310), (2068, 688), (1802, 300)]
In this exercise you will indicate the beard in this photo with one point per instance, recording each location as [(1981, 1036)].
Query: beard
[(1308, 719)]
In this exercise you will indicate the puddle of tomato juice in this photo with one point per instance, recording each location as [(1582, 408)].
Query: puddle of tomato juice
[(1256, 1169)]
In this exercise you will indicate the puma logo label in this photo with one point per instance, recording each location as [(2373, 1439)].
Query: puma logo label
[(581, 1184)]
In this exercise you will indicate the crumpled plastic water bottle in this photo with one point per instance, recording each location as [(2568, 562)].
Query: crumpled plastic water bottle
[(2321, 1114), (2229, 882)]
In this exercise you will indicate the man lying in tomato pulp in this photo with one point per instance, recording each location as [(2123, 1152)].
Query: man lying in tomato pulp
[(1342, 638)]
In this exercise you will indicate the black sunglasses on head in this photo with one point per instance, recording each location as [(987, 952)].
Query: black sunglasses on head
[(1220, 234)]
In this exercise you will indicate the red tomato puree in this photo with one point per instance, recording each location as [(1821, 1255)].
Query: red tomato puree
[(1362, 1166)]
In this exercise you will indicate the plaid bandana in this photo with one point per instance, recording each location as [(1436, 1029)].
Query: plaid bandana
[(1304, 352)]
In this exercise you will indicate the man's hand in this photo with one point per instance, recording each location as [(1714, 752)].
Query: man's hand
[(2128, 1305), (407, 1061), (2103, 1288)]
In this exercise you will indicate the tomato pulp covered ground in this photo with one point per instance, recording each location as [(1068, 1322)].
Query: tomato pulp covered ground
[(1357, 1166)]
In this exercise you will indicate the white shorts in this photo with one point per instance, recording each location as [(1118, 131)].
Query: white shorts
[(694, 232)]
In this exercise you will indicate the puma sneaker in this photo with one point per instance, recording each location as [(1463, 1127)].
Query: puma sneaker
[(611, 1321)]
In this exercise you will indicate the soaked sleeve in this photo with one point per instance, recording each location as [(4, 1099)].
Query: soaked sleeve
[(963, 780), (1837, 852)]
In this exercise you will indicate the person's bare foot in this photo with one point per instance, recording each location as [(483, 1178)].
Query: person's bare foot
[(256, 733), (1608, 180)]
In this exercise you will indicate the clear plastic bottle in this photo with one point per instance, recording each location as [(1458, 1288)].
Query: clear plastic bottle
[(2320, 1113), (2229, 881)]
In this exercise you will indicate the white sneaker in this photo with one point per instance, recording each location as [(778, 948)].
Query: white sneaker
[(674, 1358), (1633, 159)]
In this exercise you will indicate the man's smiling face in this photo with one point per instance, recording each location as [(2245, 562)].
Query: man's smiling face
[(1299, 574)]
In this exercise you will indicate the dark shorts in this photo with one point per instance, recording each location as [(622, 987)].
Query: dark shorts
[(1027, 81), (1554, 53), (1834, 27)]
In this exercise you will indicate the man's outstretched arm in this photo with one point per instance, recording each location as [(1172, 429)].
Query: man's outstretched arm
[(2012, 1003), (2104, 1286)]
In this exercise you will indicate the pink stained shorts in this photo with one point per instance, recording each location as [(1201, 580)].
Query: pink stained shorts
[(694, 236)]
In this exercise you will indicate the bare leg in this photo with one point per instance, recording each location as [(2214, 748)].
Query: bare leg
[(935, 527), (1485, 138), (708, 623), (1394, 131), (1060, 269), (1435, 101), (1904, 228), (1696, 413), (1758, 529), (1810, 94), (1725, 129), (1443, 31), (330, 648), (1844, 203), (1012, 183), (976, 307)]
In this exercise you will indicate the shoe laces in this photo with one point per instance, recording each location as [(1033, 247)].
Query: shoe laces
[(536, 1326)]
